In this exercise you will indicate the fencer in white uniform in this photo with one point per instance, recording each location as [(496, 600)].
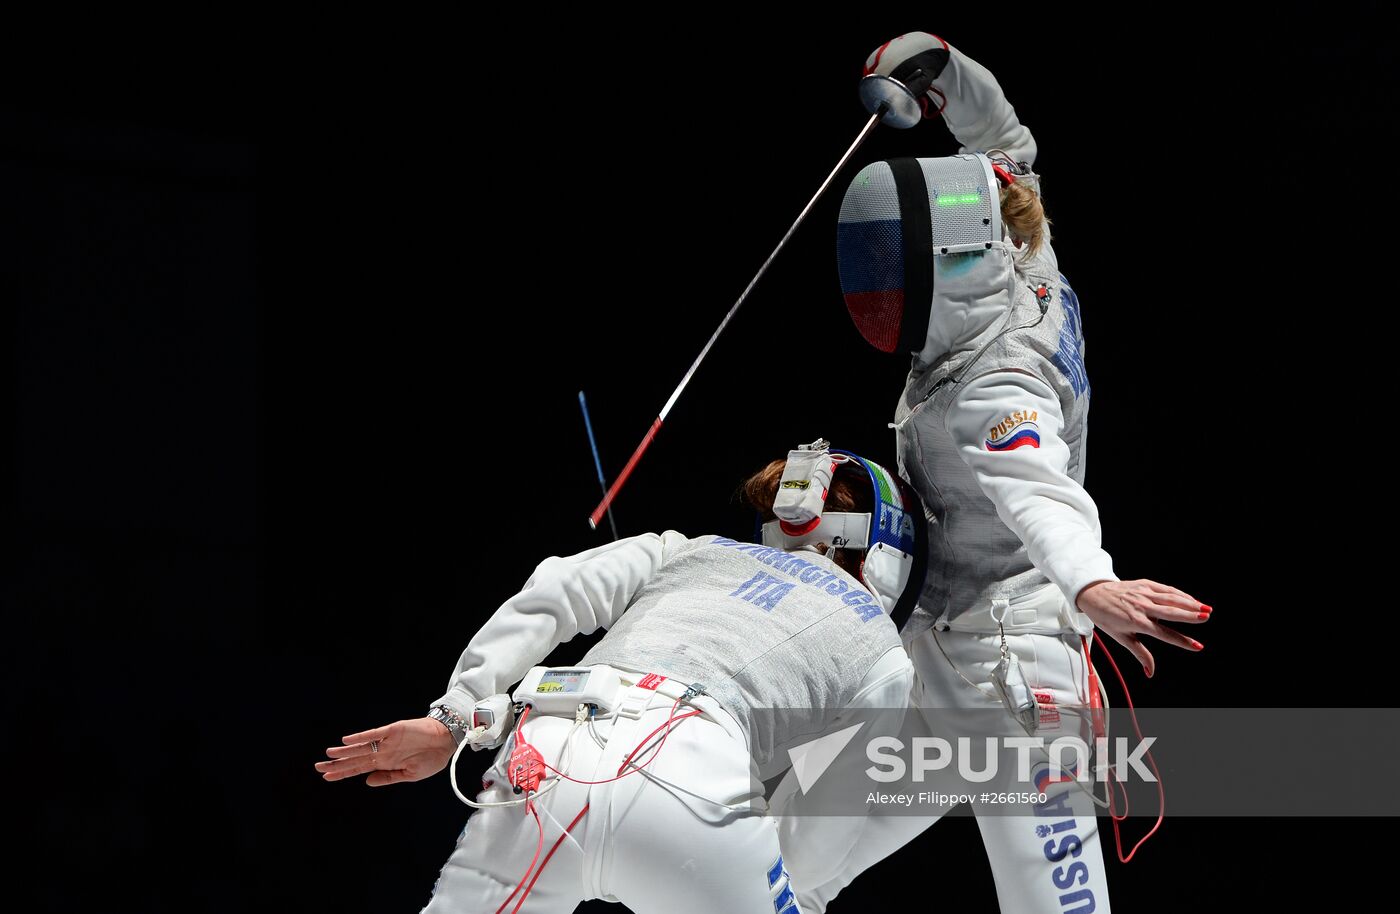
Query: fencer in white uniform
[(991, 431), (773, 645)]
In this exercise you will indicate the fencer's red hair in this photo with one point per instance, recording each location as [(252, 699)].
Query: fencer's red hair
[(850, 491)]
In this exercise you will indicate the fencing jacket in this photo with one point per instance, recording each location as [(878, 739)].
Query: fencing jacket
[(993, 422), (758, 627)]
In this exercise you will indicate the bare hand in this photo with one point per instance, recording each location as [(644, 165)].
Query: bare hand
[(409, 750), (1126, 609)]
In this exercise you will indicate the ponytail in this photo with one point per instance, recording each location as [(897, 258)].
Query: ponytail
[(1024, 216)]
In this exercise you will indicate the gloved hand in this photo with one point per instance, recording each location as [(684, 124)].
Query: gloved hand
[(491, 721), (914, 59)]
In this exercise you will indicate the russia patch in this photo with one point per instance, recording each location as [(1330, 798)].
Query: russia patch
[(1017, 430), (1026, 437)]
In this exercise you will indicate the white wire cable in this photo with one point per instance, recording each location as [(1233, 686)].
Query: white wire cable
[(563, 766), (564, 831), (550, 785), (665, 783), (452, 776), (642, 750), (564, 754), (593, 732)]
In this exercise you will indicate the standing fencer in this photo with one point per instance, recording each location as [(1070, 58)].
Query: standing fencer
[(949, 259), (650, 752)]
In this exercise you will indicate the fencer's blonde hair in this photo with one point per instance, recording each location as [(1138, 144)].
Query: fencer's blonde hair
[(1024, 216)]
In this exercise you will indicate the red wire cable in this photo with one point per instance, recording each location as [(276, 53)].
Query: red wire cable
[(941, 107), (520, 721), (1099, 730), (1161, 793), (1112, 783), (671, 718), (545, 862), (529, 805)]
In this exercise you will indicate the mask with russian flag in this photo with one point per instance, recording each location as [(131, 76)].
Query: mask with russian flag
[(921, 255)]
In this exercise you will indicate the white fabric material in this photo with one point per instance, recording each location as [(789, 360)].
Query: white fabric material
[(977, 111), (1002, 522), (974, 106), (854, 529), (824, 860), (969, 302), (1034, 495), (1037, 494), (563, 598), (490, 722), (972, 295), (1033, 492), (822, 842), (1031, 488), (759, 627), (649, 845)]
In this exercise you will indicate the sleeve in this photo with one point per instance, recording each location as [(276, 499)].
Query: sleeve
[(1006, 426), (815, 846), (977, 112), (563, 598)]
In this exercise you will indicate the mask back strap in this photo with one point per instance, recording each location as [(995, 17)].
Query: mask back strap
[(916, 228)]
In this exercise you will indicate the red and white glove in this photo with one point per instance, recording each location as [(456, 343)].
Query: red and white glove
[(913, 59)]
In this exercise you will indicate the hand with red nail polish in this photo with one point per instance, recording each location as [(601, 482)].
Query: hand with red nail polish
[(1127, 609)]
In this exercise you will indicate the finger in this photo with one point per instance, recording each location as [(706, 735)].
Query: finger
[(1155, 606), (358, 749), (378, 733), (1174, 637), (326, 766), (1180, 601), (1167, 588), (1139, 650), (1175, 614), (348, 768), (384, 778)]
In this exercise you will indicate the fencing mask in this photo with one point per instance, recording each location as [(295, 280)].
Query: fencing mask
[(920, 252)]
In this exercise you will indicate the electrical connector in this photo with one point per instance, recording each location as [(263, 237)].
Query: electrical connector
[(526, 767)]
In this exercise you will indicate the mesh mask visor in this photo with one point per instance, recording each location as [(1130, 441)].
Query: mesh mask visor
[(896, 217)]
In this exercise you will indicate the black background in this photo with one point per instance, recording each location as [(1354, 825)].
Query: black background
[(298, 326)]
